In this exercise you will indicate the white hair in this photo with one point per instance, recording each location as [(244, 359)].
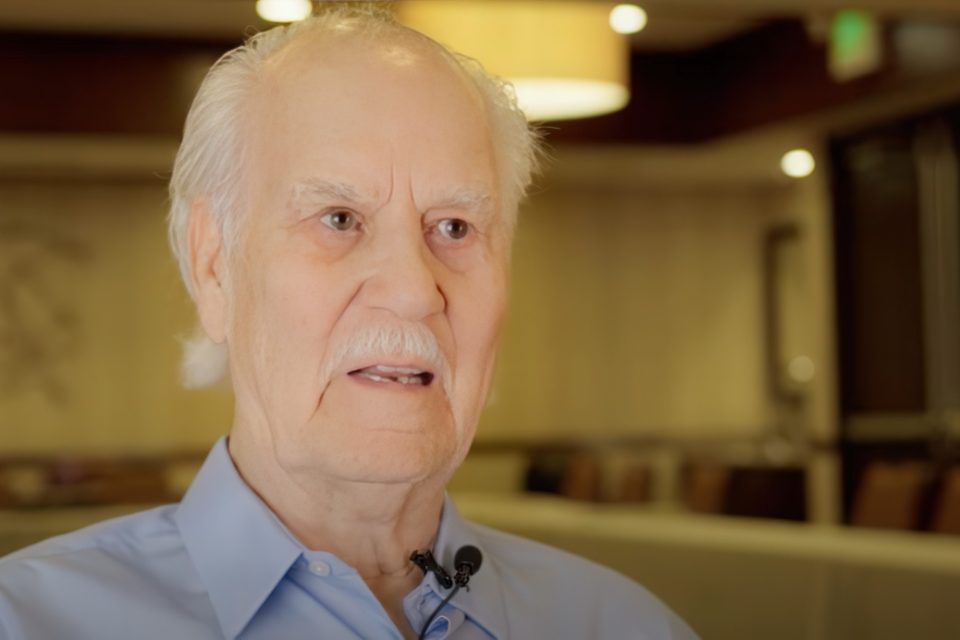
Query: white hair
[(210, 160)]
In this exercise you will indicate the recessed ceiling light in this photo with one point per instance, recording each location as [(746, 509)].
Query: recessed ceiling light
[(798, 163), (628, 18), (284, 10)]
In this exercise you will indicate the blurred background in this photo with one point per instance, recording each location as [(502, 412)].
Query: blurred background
[(731, 367)]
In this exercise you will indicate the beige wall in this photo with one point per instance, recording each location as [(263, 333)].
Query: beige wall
[(101, 296), (634, 313), (636, 307)]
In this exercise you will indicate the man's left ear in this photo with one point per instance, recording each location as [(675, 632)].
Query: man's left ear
[(205, 255)]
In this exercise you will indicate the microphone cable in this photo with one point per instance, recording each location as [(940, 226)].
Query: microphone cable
[(467, 562), (423, 632)]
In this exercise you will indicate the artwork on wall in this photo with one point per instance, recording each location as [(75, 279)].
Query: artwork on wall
[(39, 323)]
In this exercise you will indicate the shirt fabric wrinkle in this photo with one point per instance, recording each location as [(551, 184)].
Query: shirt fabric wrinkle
[(220, 564)]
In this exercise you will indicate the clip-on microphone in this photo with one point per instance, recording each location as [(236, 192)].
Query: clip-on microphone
[(466, 562), (429, 564)]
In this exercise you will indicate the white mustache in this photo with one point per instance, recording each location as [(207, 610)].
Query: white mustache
[(403, 341)]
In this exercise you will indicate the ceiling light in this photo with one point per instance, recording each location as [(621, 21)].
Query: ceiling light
[(544, 99), (561, 56), (627, 18), (283, 10), (798, 163)]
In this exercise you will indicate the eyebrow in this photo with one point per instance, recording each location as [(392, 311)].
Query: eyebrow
[(474, 200), (311, 189), (478, 201)]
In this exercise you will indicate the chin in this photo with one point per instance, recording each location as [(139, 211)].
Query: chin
[(382, 456), (372, 436)]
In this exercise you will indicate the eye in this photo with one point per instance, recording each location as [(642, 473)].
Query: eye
[(341, 220), (454, 228)]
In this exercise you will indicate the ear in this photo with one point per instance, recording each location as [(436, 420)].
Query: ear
[(205, 247)]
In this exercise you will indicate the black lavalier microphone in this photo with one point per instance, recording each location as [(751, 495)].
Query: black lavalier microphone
[(466, 562)]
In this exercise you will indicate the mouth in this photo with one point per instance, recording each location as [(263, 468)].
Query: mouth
[(385, 374)]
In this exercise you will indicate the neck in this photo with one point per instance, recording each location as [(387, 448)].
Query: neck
[(372, 527)]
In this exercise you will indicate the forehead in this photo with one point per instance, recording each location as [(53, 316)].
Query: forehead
[(349, 109)]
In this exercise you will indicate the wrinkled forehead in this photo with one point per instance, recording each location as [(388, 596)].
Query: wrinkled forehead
[(343, 103)]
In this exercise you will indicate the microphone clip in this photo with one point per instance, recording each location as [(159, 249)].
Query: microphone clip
[(467, 562), (429, 564)]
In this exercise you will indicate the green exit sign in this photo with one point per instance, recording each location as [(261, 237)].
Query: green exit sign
[(855, 45)]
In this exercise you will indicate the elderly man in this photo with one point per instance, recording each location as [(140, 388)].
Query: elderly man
[(342, 209)]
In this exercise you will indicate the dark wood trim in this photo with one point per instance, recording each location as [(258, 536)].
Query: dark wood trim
[(144, 85), (100, 85)]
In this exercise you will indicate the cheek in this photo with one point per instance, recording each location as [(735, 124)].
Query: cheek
[(299, 310), (476, 323), (284, 312)]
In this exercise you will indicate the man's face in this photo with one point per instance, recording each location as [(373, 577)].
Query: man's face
[(373, 203)]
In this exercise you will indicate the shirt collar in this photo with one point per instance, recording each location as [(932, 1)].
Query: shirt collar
[(242, 551), (483, 603), (239, 548)]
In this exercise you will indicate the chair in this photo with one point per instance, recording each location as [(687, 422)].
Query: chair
[(634, 484), (582, 478), (890, 495), (946, 514), (705, 487)]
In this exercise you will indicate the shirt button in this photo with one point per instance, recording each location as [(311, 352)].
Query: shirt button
[(319, 568)]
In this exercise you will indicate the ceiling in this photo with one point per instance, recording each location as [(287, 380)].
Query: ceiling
[(753, 67), (675, 25), (744, 154)]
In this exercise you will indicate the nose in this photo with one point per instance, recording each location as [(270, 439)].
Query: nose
[(404, 281)]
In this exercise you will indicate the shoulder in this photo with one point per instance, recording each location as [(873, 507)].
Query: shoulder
[(515, 554), (106, 576), (573, 590), (118, 536), (125, 577), (113, 554)]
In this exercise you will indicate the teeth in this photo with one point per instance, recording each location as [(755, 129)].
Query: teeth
[(401, 370), (400, 378)]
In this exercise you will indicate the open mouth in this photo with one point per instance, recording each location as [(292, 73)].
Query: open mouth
[(399, 375)]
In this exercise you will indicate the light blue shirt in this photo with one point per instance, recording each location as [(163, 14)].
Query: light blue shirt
[(221, 565)]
